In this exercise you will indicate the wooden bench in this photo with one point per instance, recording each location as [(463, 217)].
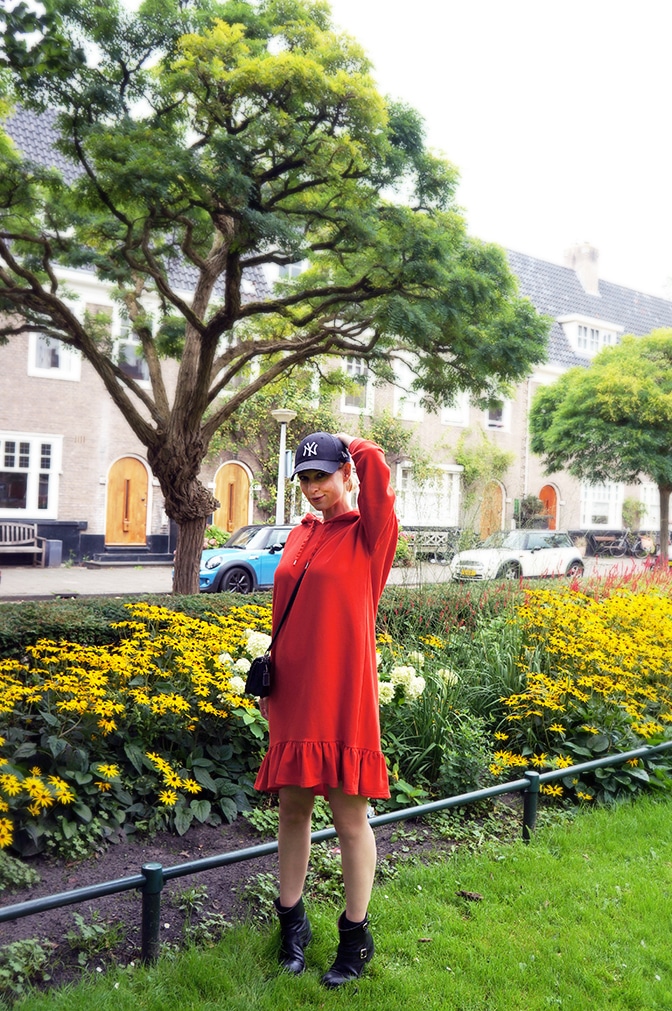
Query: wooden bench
[(22, 538)]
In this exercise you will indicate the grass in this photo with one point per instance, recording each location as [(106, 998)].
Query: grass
[(576, 920)]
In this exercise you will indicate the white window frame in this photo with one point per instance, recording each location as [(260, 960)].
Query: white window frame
[(125, 338), (588, 335), (650, 497), (33, 469), (499, 426), (601, 506), (69, 360), (458, 413), (434, 503), (407, 404), (355, 368)]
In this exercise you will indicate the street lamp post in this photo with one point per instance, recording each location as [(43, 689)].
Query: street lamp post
[(283, 417)]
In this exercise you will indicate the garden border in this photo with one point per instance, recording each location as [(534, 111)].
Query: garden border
[(153, 876)]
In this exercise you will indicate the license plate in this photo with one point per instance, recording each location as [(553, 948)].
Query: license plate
[(467, 572)]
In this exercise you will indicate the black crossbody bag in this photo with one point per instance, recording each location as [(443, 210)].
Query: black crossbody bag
[(260, 675)]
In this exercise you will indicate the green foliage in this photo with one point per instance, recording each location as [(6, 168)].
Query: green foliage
[(24, 963), (632, 512), (91, 620), (215, 537), (612, 421), (94, 937), (481, 461), (15, 874)]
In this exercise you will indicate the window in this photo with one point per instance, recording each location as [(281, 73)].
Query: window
[(289, 270), (29, 466), (129, 356), (358, 398), (434, 502), (407, 404), (458, 412), (601, 505), (52, 359), (498, 415), (588, 336)]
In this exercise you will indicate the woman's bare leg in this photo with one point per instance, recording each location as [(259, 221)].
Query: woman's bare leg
[(358, 851), (296, 808)]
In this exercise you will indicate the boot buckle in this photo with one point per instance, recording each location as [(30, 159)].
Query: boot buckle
[(363, 953)]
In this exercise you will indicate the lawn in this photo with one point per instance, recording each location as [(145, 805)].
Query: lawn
[(575, 920)]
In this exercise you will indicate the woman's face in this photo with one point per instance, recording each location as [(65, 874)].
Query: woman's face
[(326, 492)]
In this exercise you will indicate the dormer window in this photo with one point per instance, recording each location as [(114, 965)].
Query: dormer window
[(588, 336)]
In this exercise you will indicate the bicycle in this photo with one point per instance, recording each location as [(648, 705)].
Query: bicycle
[(625, 543)]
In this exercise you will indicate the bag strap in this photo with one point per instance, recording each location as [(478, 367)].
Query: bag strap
[(288, 608)]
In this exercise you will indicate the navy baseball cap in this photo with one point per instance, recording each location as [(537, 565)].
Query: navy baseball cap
[(320, 451)]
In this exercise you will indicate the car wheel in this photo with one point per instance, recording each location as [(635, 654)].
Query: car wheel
[(574, 569), (236, 581), (509, 571)]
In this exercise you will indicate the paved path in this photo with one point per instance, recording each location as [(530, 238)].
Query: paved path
[(26, 582)]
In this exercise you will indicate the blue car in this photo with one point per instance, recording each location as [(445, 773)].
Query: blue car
[(247, 561)]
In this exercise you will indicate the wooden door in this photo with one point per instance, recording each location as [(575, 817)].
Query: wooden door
[(232, 489), (549, 497), (492, 511), (127, 488)]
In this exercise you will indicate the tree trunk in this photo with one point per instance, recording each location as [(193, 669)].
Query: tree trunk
[(664, 493), (176, 464), (188, 555)]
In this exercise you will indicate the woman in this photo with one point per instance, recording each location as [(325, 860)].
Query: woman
[(323, 710)]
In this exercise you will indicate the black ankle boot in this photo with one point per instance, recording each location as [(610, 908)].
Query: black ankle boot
[(355, 949), (295, 934)]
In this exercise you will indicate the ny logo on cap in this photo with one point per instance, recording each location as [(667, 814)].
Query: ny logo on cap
[(310, 449)]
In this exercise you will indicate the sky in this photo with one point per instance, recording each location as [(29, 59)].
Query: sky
[(555, 112)]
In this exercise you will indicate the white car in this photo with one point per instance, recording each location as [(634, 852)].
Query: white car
[(516, 554)]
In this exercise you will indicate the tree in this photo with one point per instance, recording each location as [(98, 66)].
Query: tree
[(612, 421), (224, 137)]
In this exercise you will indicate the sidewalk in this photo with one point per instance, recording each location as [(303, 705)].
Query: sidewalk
[(25, 582)]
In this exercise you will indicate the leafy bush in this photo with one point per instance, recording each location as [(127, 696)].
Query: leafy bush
[(215, 537), (597, 679), (94, 620), (153, 731)]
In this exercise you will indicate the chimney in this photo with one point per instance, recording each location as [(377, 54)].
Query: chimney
[(583, 258)]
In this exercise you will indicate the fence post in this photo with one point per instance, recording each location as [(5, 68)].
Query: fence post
[(151, 911), (530, 799)]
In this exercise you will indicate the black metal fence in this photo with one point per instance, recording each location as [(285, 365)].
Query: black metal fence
[(153, 876)]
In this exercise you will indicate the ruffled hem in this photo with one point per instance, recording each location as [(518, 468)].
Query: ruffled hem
[(319, 766)]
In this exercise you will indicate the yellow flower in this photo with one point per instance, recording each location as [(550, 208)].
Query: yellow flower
[(540, 760), (499, 736), (6, 834), (552, 789), (107, 771), (583, 796), (103, 787), (168, 798), (563, 762), (557, 728)]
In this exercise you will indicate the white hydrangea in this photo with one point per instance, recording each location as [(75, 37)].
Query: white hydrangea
[(226, 659), (415, 688), (402, 675), (379, 658), (449, 677), (417, 659), (237, 685), (385, 692), (243, 665), (257, 642)]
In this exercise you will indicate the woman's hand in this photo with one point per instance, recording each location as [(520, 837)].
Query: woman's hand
[(263, 707), (345, 438)]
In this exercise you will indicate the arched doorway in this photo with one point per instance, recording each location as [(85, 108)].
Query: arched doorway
[(492, 509), (232, 489), (549, 496), (126, 512)]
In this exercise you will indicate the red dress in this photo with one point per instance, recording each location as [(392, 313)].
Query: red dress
[(323, 711)]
